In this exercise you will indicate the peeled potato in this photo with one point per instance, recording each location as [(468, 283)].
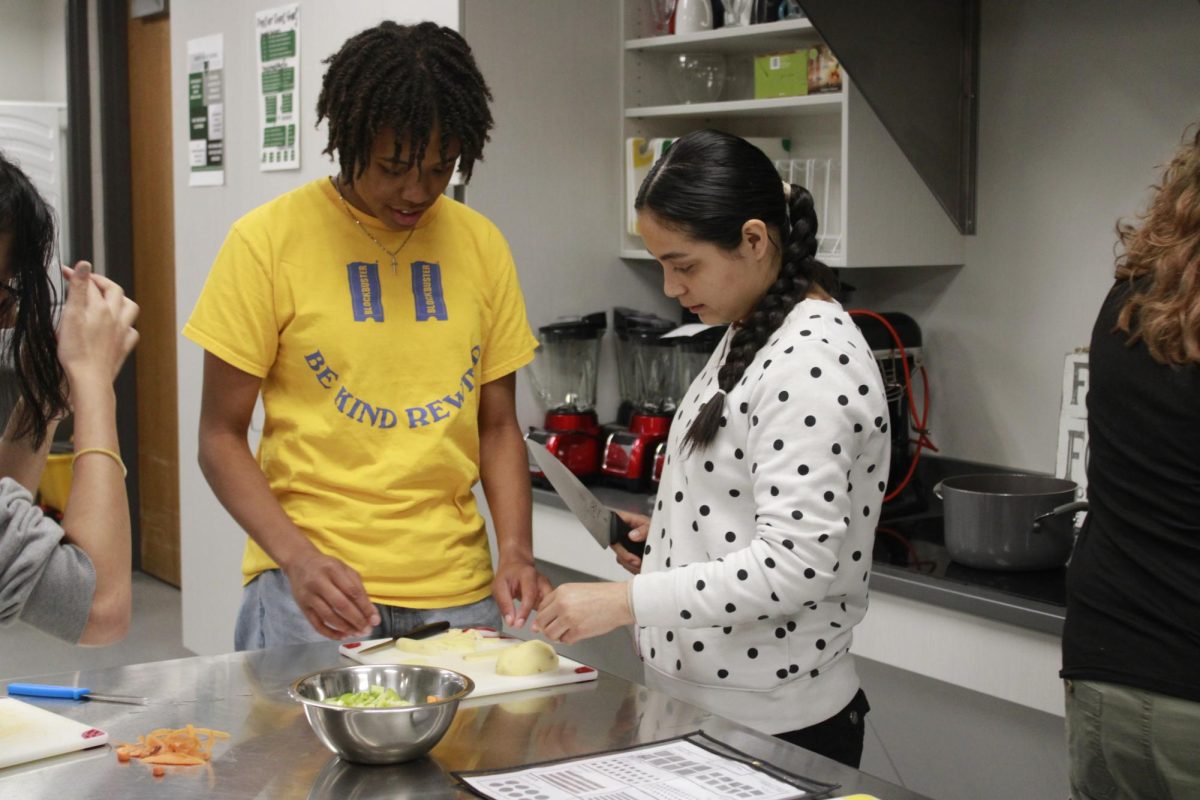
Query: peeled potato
[(455, 640), (527, 658)]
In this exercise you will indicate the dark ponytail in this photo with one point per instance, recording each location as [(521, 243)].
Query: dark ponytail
[(27, 301), (708, 185)]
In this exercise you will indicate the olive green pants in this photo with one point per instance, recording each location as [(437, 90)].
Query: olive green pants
[(1131, 744)]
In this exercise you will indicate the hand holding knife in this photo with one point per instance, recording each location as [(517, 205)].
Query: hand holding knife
[(605, 526)]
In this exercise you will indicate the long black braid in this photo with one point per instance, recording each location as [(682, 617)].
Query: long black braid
[(708, 185), (28, 299), (410, 78)]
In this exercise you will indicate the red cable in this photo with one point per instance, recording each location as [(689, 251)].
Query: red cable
[(922, 441), (914, 559)]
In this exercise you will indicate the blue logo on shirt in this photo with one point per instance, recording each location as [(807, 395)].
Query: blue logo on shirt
[(377, 416), (365, 297), (427, 291)]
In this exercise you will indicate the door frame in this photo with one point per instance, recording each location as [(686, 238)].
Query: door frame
[(115, 199)]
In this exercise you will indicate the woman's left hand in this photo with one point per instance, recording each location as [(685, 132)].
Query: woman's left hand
[(577, 611)]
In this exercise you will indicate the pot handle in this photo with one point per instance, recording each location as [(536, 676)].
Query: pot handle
[(937, 490), (1066, 508)]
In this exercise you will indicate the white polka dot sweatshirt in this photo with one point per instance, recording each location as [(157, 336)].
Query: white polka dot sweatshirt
[(759, 549)]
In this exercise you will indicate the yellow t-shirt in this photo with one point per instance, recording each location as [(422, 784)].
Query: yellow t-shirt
[(371, 381)]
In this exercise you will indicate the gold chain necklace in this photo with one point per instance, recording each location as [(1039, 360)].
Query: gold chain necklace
[(391, 253)]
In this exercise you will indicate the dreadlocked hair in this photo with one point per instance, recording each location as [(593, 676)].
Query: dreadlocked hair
[(707, 186), (411, 79), (28, 300)]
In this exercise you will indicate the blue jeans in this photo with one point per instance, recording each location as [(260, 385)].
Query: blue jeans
[(1131, 744), (269, 616)]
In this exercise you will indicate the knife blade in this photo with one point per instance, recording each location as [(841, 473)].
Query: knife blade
[(71, 693), (605, 526), (419, 632)]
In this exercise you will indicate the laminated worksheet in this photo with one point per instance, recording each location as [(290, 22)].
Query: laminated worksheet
[(679, 769)]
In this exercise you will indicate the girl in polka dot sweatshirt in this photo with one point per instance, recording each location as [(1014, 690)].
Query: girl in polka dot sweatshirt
[(758, 553)]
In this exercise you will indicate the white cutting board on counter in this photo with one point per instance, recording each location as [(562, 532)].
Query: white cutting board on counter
[(482, 671), (28, 733)]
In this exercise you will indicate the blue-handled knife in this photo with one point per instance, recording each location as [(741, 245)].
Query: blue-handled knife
[(70, 693)]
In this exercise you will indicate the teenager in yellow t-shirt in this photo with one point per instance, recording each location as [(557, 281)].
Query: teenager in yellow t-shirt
[(383, 324)]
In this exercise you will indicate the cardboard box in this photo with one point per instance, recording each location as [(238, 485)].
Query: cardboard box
[(824, 71), (781, 75)]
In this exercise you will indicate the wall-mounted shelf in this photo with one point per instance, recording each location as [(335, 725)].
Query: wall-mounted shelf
[(775, 106), (634, 254), (876, 210), (765, 38)]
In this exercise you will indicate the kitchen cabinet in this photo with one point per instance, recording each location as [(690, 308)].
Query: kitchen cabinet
[(879, 211)]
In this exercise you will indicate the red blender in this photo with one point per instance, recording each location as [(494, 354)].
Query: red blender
[(629, 454), (624, 320), (563, 374), (692, 353)]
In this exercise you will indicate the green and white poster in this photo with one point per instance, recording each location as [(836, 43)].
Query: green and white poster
[(278, 33), (206, 110)]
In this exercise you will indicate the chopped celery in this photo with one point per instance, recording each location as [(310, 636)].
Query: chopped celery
[(373, 697)]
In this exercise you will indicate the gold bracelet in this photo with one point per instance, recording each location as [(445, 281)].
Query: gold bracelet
[(115, 456)]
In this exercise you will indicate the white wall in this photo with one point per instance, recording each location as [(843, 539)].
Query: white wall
[(33, 50), (553, 172), (54, 50), (1078, 103), (211, 542)]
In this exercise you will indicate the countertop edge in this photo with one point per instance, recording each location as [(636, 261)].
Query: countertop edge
[(980, 602)]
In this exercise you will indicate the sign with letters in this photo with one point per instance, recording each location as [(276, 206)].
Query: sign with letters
[(1072, 423)]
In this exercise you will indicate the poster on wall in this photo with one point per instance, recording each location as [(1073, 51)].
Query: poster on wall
[(1072, 423), (278, 33), (206, 110)]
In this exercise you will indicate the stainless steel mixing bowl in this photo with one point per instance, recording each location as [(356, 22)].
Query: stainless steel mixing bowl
[(381, 735)]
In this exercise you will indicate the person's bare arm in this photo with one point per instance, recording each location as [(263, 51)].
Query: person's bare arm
[(329, 592), (95, 336), (504, 472)]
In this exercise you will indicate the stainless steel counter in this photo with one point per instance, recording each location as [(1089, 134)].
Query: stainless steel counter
[(272, 751)]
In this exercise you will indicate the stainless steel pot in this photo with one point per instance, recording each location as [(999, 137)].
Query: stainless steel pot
[(1009, 522)]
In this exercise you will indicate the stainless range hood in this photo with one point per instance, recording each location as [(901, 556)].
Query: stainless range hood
[(917, 65)]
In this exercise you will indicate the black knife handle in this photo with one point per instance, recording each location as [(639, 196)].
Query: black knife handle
[(428, 629), (619, 534)]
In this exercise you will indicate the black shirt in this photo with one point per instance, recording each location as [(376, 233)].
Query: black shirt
[(1133, 584)]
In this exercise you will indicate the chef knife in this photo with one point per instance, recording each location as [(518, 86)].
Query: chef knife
[(70, 693), (605, 526), (419, 632)]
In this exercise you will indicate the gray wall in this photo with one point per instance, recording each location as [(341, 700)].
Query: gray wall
[(211, 541), (1079, 101), (33, 61), (552, 179)]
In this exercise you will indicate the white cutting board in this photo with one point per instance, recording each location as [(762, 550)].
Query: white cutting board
[(482, 671), (28, 733)]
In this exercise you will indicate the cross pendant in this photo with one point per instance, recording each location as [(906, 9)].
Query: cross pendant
[(395, 268)]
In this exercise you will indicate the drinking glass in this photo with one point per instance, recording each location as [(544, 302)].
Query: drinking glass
[(737, 12), (660, 15)]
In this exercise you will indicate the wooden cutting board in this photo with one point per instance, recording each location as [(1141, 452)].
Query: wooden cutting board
[(482, 671), (28, 733)]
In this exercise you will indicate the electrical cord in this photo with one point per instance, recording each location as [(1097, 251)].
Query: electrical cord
[(920, 424)]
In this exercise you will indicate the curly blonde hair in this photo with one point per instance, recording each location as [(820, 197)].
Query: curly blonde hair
[(1164, 311)]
